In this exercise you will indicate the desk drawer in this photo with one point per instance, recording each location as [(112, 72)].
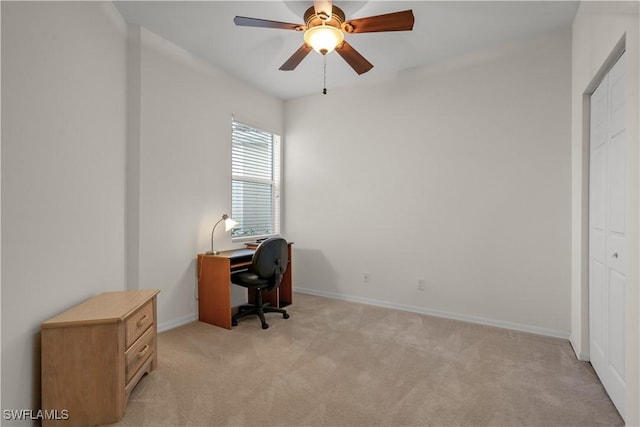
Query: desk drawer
[(139, 353), (138, 323)]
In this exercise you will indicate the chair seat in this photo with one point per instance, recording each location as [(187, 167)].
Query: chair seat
[(249, 279)]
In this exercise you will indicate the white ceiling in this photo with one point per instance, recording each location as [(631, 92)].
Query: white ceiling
[(442, 29)]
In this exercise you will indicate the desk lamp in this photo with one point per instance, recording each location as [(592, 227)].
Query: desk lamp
[(228, 225)]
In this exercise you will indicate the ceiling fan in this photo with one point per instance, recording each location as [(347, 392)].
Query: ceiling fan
[(324, 30)]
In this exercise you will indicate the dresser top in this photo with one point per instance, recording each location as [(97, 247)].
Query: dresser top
[(109, 307)]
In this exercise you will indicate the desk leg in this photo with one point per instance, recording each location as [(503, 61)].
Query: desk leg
[(282, 296), (286, 287), (272, 297), (214, 290)]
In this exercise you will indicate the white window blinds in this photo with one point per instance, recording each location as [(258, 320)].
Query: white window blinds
[(255, 184)]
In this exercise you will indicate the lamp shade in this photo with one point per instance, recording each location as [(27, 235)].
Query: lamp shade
[(229, 224), (323, 38)]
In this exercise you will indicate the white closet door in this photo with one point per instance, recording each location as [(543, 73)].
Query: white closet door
[(607, 234)]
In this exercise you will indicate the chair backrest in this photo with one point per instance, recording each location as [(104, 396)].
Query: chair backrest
[(270, 260)]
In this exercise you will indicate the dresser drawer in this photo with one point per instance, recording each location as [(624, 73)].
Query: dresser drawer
[(139, 353), (138, 323)]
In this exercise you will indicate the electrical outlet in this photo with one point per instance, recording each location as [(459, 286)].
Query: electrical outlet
[(421, 284), (366, 277)]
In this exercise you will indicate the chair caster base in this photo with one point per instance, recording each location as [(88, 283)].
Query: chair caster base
[(258, 309)]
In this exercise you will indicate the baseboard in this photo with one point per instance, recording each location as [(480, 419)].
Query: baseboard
[(447, 315), (165, 326), (580, 355)]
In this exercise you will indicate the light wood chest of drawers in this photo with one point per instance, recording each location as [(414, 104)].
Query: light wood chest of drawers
[(95, 353)]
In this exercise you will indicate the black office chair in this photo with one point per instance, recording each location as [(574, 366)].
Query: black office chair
[(265, 274)]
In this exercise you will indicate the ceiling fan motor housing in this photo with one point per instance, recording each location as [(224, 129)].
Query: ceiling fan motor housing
[(312, 19)]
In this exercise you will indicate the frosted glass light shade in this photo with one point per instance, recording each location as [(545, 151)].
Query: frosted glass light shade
[(323, 38)]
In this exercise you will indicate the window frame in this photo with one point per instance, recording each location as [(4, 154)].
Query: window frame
[(275, 183)]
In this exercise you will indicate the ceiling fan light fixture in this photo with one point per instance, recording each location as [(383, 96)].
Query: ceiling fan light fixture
[(323, 38)]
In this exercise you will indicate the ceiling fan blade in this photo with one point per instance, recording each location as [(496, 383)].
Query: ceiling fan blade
[(396, 21), (323, 9), (358, 62), (296, 58), (265, 23)]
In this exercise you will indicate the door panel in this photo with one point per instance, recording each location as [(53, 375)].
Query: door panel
[(616, 177), (617, 97), (616, 320), (597, 189), (597, 298)]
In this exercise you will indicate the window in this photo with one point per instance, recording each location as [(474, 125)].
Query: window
[(255, 182)]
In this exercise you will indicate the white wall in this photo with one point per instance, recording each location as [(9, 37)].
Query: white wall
[(63, 145), (457, 173), (184, 173), (597, 29)]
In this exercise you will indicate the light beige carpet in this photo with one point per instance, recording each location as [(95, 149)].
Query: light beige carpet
[(336, 363)]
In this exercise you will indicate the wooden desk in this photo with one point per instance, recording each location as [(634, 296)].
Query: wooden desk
[(214, 285)]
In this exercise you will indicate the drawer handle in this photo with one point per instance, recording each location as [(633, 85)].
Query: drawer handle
[(142, 320), (144, 351)]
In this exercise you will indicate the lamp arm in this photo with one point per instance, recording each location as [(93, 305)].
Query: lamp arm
[(212, 231)]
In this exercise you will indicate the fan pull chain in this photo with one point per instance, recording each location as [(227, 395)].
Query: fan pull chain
[(324, 60)]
